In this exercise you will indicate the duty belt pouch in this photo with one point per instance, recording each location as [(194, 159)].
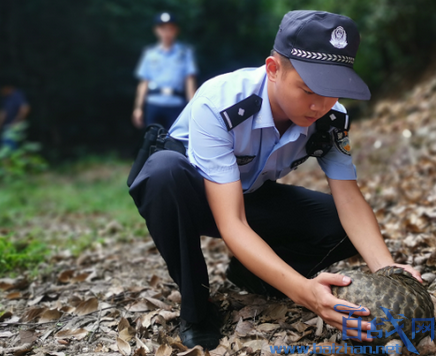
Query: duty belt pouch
[(156, 138)]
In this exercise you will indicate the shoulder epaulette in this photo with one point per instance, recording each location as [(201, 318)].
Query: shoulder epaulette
[(334, 118), (241, 111)]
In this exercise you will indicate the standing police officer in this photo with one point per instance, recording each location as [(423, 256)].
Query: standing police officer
[(166, 73), (243, 131)]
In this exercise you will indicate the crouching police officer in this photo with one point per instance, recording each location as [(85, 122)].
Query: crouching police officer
[(243, 131)]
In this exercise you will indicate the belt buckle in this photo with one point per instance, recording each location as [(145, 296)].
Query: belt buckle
[(167, 91)]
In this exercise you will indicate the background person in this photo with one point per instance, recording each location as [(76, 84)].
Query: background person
[(166, 73), (14, 109)]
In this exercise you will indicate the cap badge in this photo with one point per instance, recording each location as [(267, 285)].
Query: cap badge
[(339, 37), (165, 17)]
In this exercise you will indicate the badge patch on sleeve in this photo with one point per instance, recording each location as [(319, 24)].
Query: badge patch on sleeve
[(243, 160), (342, 141)]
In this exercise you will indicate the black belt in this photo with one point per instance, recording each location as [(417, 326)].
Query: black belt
[(156, 139), (167, 91)]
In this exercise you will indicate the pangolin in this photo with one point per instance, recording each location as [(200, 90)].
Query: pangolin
[(389, 290)]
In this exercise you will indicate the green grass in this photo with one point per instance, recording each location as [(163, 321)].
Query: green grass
[(67, 207), (15, 254)]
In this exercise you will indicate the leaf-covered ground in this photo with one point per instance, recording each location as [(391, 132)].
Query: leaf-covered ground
[(117, 297)]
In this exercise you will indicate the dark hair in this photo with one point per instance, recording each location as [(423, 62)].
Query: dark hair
[(284, 61)]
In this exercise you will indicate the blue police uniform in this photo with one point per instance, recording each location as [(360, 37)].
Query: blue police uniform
[(252, 151), (302, 226), (166, 72)]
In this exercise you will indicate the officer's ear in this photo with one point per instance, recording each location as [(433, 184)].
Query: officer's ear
[(272, 68)]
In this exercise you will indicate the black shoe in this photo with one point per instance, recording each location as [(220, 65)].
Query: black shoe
[(239, 275), (206, 333)]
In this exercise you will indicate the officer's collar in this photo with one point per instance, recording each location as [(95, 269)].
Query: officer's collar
[(293, 132), (264, 118), (170, 50)]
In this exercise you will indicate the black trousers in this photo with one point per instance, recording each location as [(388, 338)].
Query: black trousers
[(302, 226)]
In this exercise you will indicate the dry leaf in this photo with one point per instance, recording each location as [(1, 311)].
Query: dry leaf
[(312, 321), (141, 345), (158, 303), (432, 259), (77, 334), (123, 324), (101, 349), (164, 350), (28, 336), (35, 301), (294, 337), (21, 284), (243, 328), (299, 326), (124, 347), (219, 351), (14, 296), (139, 306), (6, 285), (179, 346), (248, 312), (142, 331), (75, 301), (168, 315), (154, 280), (175, 296), (80, 277), (195, 351), (266, 327), (67, 309), (127, 334), (158, 319), (140, 352), (87, 307), (319, 327), (65, 276), (275, 312), (6, 334), (32, 314), (146, 320), (50, 315), (255, 345), (24, 350)]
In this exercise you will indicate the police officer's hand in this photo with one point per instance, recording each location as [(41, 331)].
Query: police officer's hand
[(137, 118), (320, 300), (409, 269)]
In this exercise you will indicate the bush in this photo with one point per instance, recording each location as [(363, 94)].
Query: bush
[(18, 162)]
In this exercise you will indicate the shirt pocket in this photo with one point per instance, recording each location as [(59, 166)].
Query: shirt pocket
[(246, 163)]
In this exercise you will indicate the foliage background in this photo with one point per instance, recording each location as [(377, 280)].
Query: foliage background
[(75, 59)]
